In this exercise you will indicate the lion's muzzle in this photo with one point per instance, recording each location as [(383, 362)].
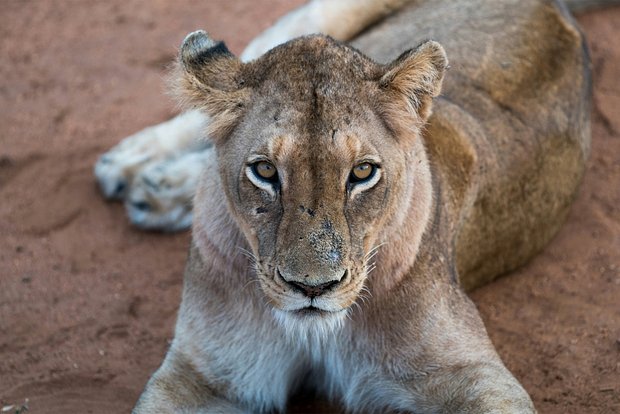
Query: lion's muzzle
[(311, 287)]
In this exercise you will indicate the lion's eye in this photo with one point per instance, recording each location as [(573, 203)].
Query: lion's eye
[(362, 172), (265, 171)]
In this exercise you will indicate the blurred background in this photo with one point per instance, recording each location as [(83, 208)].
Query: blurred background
[(88, 303)]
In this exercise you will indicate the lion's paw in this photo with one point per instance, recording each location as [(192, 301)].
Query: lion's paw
[(161, 195), (116, 168)]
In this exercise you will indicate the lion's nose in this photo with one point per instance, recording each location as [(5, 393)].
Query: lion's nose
[(314, 290)]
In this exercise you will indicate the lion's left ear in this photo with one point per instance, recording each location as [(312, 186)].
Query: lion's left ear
[(209, 79), (412, 80)]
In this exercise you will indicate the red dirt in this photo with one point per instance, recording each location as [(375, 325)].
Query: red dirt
[(87, 303)]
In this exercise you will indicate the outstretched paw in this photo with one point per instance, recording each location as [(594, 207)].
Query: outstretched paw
[(116, 169), (161, 195)]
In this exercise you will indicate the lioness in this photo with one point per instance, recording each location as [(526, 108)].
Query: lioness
[(364, 207)]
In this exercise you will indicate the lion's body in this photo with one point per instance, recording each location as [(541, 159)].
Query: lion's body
[(476, 192), (510, 134)]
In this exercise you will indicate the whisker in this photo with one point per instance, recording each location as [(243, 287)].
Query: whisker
[(365, 295), (348, 315), (374, 251), (357, 305), (371, 255), (248, 254), (364, 299), (249, 282), (368, 266)]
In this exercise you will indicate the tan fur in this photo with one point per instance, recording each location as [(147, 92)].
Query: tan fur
[(470, 186)]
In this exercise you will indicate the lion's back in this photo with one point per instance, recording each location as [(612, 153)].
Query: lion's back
[(510, 135)]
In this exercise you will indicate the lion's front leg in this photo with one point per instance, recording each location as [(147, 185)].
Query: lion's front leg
[(437, 388), (462, 372), (178, 388), (435, 358), (482, 387)]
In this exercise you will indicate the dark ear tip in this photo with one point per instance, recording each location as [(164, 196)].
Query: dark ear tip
[(198, 40), (199, 44)]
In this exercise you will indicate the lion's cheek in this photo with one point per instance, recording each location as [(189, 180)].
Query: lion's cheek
[(256, 214)]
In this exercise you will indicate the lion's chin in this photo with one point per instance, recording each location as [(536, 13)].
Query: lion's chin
[(310, 324), (311, 312)]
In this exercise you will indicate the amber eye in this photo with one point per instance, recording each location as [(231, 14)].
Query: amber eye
[(265, 171), (362, 172)]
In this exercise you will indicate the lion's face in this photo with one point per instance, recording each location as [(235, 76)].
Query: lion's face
[(310, 193), (314, 159)]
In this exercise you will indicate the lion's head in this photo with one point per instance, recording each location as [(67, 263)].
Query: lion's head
[(320, 157)]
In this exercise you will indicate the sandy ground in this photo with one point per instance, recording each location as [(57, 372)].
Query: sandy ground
[(87, 303)]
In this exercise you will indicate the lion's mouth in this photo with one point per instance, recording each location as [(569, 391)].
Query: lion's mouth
[(312, 311), (331, 302)]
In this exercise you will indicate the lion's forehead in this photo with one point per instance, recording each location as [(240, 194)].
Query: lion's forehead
[(302, 147), (286, 130), (314, 60), (315, 107)]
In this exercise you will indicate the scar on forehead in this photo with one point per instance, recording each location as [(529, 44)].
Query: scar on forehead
[(281, 146)]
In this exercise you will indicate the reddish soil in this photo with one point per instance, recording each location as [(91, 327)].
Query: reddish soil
[(87, 303)]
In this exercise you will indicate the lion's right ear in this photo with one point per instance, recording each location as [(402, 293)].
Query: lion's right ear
[(209, 79)]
